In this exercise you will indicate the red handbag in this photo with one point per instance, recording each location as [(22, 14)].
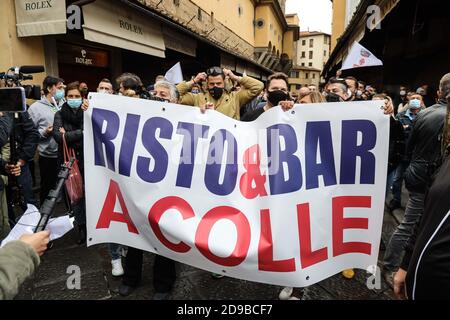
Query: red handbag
[(74, 183)]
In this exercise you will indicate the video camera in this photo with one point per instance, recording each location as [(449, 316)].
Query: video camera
[(13, 98)]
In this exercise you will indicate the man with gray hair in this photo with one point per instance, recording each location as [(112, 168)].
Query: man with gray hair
[(166, 91), (425, 148), (164, 273)]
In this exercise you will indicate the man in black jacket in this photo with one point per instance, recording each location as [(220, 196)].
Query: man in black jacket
[(425, 145), (6, 123), (425, 270), (26, 138)]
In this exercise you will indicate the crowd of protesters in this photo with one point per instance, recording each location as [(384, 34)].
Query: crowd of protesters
[(418, 158)]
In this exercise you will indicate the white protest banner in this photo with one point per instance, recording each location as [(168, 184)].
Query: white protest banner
[(359, 57), (290, 199)]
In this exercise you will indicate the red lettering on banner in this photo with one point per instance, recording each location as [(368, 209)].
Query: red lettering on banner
[(265, 249), (157, 211), (108, 214), (252, 159), (340, 224), (243, 235), (307, 256)]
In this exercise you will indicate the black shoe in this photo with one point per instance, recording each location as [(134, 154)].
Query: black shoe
[(161, 296), (81, 234), (125, 290)]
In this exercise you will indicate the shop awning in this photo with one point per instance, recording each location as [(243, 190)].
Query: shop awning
[(38, 18), (112, 24)]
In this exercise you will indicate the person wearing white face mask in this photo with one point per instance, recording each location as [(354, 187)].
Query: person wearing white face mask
[(105, 86), (69, 122), (42, 113)]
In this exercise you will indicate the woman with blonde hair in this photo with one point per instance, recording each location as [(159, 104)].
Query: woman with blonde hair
[(313, 97)]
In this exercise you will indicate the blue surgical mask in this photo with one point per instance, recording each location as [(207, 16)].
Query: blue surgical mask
[(415, 104), (74, 103), (59, 95)]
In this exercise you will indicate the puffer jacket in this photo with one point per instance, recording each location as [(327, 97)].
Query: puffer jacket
[(72, 122)]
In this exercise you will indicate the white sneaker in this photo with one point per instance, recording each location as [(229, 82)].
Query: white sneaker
[(286, 293), (293, 298), (117, 269)]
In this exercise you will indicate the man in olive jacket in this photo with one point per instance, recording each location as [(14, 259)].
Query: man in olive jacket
[(228, 103)]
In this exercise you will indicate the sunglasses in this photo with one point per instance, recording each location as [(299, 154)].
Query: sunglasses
[(214, 71)]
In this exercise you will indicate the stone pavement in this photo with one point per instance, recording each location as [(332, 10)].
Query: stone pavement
[(49, 283)]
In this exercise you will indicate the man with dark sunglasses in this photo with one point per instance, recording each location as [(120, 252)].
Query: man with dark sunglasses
[(228, 103)]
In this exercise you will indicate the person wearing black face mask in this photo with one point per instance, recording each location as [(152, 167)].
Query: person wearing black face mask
[(337, 91), (228, 103), (277, 94), (84, 90)]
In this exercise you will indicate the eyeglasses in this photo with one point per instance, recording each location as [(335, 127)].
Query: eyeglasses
[(214, 71)]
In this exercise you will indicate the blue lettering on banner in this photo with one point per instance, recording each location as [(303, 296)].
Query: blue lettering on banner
[(350, 151), (359, 138), (189, 150), (214, 165), (99, 117), (318, 134), (277, 180), (128, 144), (155, 149)]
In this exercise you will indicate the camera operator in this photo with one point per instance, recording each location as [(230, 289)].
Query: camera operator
[(43, 114), (18, 259), (6, 123), (26, 138)]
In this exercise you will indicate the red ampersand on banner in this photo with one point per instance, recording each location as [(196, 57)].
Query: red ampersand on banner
[(252, 182)]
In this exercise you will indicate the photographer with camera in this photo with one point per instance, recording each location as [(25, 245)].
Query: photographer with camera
[(22, 146), (43, 114), (18, 259), (6, 122)]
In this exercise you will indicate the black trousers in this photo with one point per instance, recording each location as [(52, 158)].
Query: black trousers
[(164, 273), (48, 170)]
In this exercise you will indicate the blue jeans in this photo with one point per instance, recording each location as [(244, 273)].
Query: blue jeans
[(396, 247), (115, 250)]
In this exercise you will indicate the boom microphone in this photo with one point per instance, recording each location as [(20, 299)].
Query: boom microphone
[(31, 69)]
